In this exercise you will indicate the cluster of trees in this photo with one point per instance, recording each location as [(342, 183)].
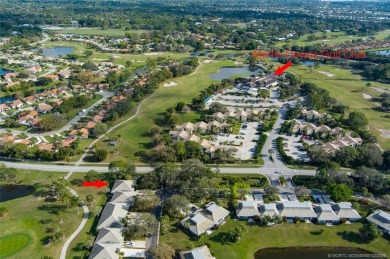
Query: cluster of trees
[(363, 179), (380, 72), (192, 179), (76, 101), (317, 98), (52, 121), (184, 68), (198, 102), (369, 155)]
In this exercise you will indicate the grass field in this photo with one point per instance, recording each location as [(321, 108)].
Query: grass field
[(100, 32), (134, 138), (12, 244), (284, 235), (30, 218), (332, 38)]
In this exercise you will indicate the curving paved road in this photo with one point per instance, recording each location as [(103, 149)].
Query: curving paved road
[(78, 230)]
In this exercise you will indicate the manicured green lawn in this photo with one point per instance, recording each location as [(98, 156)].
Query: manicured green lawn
[(332, 38), (236, 128), (33, 218), (12, 244), (284, 235), (134, 138)]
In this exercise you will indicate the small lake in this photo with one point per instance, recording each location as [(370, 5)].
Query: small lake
[(385, 52), (227, 72), (308, 252), (56, 52), (3, 71), (11, 98), (197, 54), (12, 191)]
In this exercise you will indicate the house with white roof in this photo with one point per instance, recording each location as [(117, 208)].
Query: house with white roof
[(302, 210), (201, 252), (247, 209), (269, 210), (112, 214), (346, 211), (123, 185), (203, 220), (381, 219), (325, 214)]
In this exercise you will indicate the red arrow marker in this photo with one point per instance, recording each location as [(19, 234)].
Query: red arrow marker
[(97, 183), (280, 70)]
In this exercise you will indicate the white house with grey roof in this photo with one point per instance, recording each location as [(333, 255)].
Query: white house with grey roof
[(325, 214), (247, 209), (346, 211), (381, 219), (269, 210), (107, 243), (203, 220), (123, 186), (201, 252), (112, 214), (302, 210)]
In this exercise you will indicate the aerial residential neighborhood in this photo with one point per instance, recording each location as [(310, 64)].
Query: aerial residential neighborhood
[(194, 130)]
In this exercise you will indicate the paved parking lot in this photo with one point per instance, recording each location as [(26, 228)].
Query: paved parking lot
[(293, 148), (246, 136)]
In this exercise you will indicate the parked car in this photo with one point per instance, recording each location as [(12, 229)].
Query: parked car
[(279, 172)]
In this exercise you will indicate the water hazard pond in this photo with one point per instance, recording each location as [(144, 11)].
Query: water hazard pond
[(12, 191), (56, 52), (309, 252)]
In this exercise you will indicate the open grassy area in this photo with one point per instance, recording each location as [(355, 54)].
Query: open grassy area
[(236, 128), (12, 244), (332, 38), (30, 219), (97, 31), (284, 235), (134, 138)]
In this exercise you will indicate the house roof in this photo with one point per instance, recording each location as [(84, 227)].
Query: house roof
[(325, 213), (297, 209), (123, 196), (202, 252), (345, 210), (3, 107), (112, 213), (109, 235), (268, 209), (44, 107), (199, 224), (381, 219), (247, 209), (215, 212), (104, 251), (122, 185)]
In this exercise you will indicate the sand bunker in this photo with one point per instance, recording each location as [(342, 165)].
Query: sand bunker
[(170, 84), (116, 56), (209, 61), (385, 133), (367, 96), (238, 62), (153, 54), (326, 73)]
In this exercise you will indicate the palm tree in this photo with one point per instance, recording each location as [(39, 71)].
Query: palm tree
[(90, 198)]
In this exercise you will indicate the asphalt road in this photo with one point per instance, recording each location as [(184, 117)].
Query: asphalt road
[(225, 170)]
